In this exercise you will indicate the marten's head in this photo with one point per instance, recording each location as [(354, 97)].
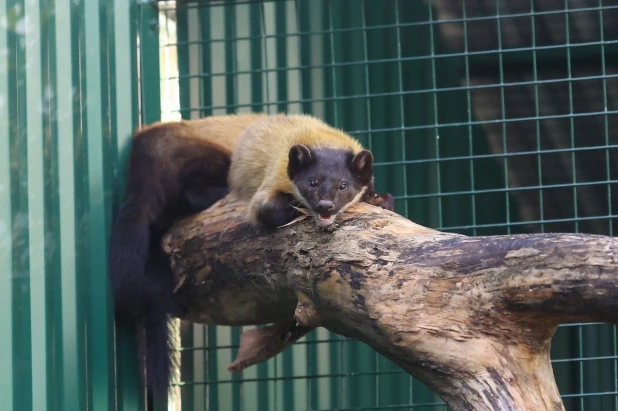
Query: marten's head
[(327, 180)]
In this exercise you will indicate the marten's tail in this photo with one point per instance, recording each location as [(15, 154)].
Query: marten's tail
[(157, 346), (142, 289), (128, 252)]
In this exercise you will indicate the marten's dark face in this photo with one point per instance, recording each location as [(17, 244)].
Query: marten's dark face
[(328, 181)]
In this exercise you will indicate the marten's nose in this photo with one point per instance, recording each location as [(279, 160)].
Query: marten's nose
[(325, 205)]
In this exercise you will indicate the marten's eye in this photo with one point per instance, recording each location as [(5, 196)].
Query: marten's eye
[(343, 186), (312, 183)]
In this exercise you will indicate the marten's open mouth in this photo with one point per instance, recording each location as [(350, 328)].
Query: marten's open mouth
[(325, 220)]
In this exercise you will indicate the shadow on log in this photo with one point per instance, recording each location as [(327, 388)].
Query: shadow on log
[(471, 317)]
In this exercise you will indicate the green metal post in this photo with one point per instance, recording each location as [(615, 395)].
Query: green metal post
[(129, 393), (7, 378)]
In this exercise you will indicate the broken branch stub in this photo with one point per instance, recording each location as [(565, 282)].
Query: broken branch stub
[(471, 317)]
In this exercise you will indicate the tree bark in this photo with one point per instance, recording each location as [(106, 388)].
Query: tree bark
[(471, 317)]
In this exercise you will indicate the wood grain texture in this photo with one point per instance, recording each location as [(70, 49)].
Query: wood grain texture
[(471, 317)]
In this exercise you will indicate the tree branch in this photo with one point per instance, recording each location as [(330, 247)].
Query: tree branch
[(472, 317)]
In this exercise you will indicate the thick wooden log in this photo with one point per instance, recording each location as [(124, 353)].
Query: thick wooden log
[(472, 317)]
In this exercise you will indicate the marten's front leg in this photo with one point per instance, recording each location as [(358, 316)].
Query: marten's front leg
[(274, 209)]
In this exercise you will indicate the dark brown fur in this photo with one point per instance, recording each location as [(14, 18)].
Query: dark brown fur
[(171, 174)]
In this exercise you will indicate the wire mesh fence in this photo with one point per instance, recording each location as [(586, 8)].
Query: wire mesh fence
[(485, 117)]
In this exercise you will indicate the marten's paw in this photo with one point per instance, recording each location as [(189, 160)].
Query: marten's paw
[(385, 201)]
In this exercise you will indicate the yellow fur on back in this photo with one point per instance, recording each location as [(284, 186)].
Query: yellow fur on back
[(260, 159), (223, 130)]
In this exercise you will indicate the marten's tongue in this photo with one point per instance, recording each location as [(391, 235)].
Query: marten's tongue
[(324, 220)]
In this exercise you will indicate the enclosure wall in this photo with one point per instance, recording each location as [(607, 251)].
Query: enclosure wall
[(68, 105)]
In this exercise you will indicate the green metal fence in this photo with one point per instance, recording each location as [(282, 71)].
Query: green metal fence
[(68, 104), (485, 117)]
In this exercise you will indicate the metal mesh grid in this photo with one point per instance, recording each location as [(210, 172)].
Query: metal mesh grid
[(485, 117)]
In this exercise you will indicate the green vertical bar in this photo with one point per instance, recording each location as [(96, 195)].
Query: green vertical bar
[(267, 11), (202, 340), (77, 287), (237, 378), (108, 117), (537, 115), (230, 58), (435, 119), (255, 32), (421, 177), (7, 380), (363, 77), (455, 175), (213, 363), (597, 342), (580, 364), (303, 18), (469, 110), (571, 119), (201, 368), (281, 59), (205, 37), (187, 372), (263, 399), (330, 78), (401, 121), (571, 112), (615, 364), (98, 321), (129, 391), (323, 361), (182, 50), (606, 133), (69, 360), (503, 118), (51, 203), (129, 395), (36, 201), (149, 59), (125, 102), (17, 107), (349, 47)]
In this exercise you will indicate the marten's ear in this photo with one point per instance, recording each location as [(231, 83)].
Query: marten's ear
[(362, 167), (300, 157)]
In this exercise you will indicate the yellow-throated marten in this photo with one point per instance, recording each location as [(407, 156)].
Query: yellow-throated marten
[(285, 160), (175, 169), (181, 168)]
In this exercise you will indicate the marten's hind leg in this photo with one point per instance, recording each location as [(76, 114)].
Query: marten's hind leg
[(200, 198)]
